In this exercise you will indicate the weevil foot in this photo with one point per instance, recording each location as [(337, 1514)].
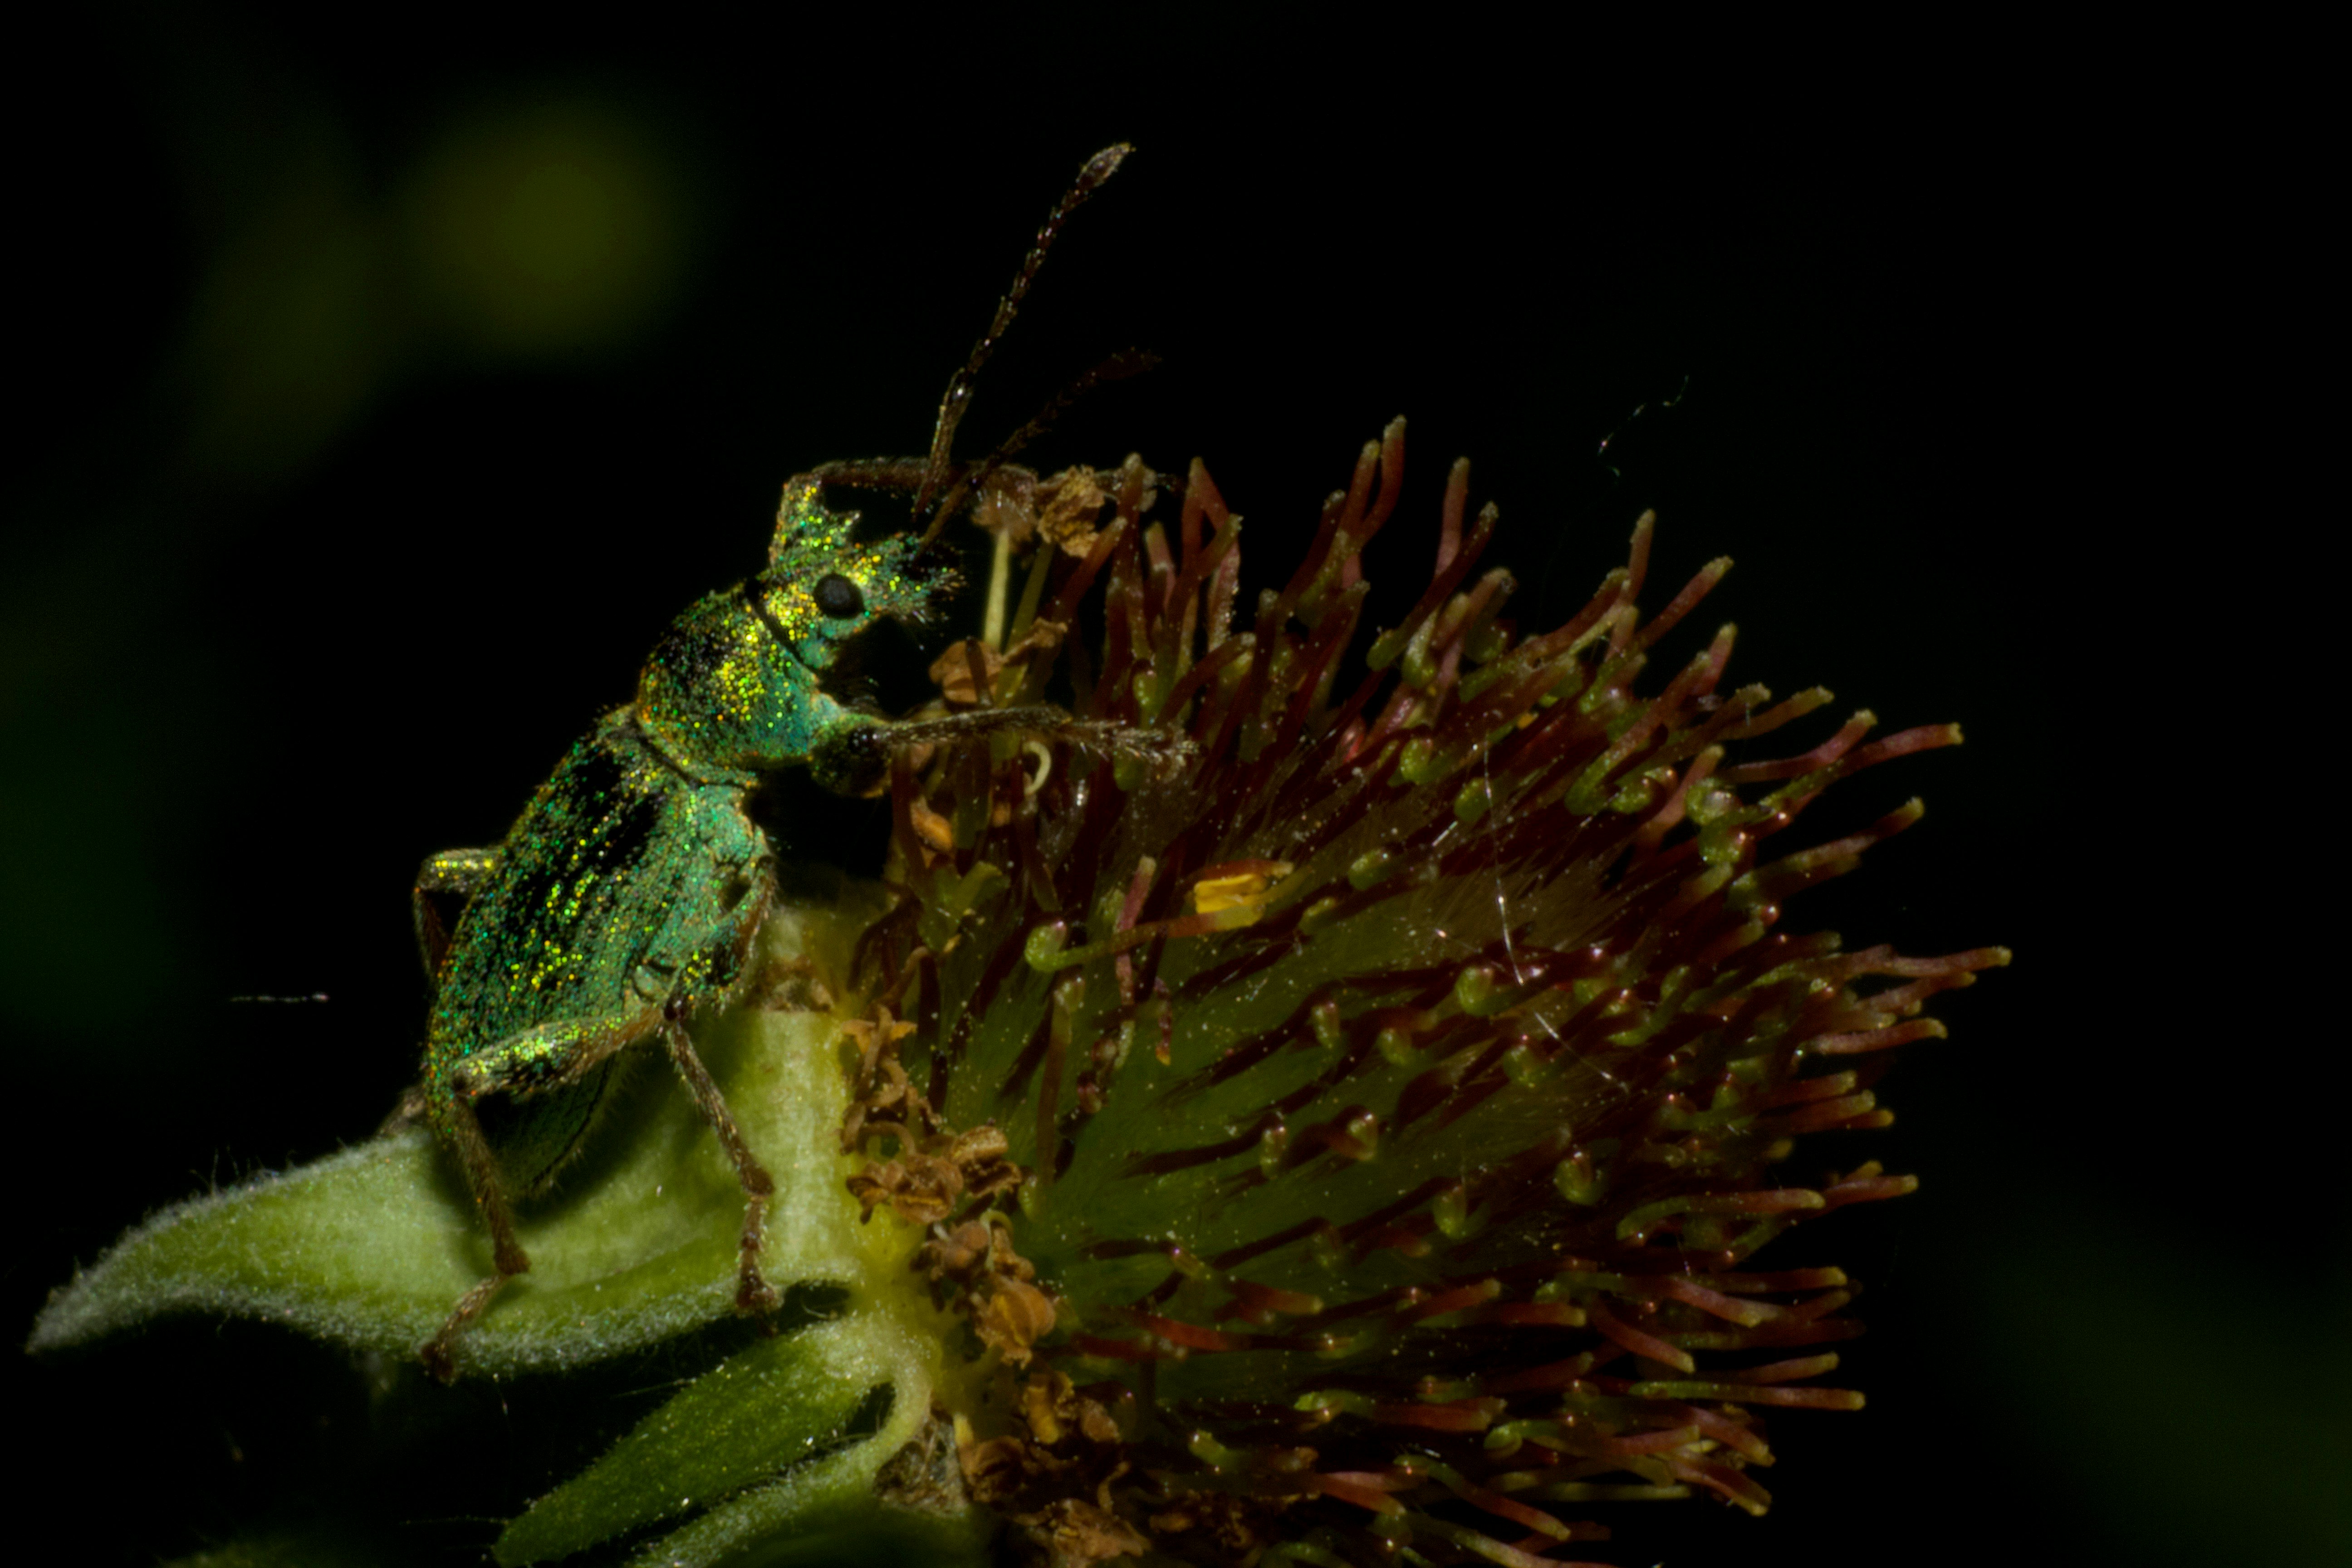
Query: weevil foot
[(408, 1113), (754, 1297), (788, 985), (439, 1352)]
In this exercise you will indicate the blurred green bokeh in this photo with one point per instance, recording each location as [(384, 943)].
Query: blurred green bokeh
[(556, 229)]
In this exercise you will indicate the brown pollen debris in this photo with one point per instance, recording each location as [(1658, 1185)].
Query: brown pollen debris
[(936, 1173), (1052, 1475)]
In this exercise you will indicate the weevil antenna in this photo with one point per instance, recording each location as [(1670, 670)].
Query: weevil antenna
[(929, 511), (1117, 367), (903, 476)]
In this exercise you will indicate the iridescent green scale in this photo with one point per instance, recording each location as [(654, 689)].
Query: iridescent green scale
[(629, 893), (620, 886)]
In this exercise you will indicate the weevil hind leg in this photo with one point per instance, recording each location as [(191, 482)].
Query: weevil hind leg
[(444, 884), (754, 1294), (506, 1256), (440, 1353)]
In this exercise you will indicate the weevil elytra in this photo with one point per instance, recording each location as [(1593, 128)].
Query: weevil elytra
[(629, 893)]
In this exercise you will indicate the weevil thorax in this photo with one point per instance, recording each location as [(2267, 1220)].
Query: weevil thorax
[(736, 683)]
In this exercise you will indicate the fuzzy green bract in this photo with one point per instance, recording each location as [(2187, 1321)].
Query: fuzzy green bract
[(783, 1438)]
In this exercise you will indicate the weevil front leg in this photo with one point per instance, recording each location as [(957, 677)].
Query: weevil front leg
[(855, 758)]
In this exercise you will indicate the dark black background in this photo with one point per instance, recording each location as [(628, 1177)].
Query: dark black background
[(304, 579)]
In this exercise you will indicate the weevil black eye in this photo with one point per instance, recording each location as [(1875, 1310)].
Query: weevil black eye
[(837, 597)]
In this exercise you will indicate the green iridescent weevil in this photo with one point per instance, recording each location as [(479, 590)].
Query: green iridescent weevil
[(628, 894)]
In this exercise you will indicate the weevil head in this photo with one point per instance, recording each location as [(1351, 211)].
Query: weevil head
[(738, 682), (823, 590)]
